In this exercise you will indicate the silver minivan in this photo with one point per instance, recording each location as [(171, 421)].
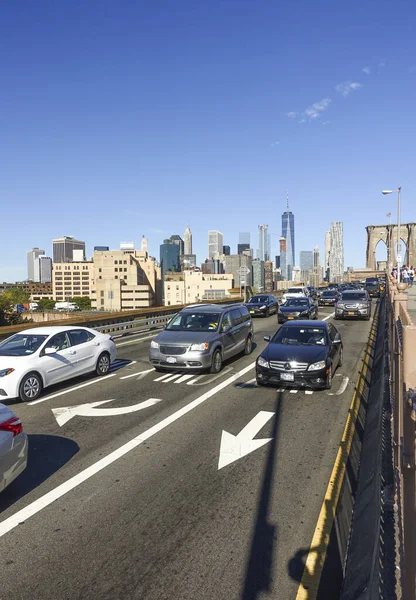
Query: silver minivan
[(201, 337)]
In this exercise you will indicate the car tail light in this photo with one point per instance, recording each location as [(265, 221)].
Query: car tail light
[(13, 425)]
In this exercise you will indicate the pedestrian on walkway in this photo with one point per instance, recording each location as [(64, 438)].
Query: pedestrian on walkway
[(394, 273), (411, 273), (405, 275)]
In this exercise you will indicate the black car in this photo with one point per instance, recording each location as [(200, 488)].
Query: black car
[(372, 286), (297, 308), (263, 305), (301, 354), (328, 298), (353, 303)]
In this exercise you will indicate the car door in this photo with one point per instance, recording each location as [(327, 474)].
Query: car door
[(61, 365), (84, 345), (273, 304), (239, 330), (227, 335)]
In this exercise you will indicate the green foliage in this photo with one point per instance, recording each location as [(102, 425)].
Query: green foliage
[(83, 302), (45, 304), (8, 301)]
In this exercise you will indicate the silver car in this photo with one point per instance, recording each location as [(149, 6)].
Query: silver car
[(353, 304), (13, 447), (201, 337)]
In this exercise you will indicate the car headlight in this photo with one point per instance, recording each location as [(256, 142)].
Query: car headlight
[(154, 345), (262, 363), (304, 312), (263, 307), (317, 366), (5, 372), (340, 305), (200, 347)]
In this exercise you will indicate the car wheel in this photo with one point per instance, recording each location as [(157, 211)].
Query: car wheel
[(328, 384), (30, 387), (267, 313), (103, 364), (248, 348), (341, 357), (216, 364)]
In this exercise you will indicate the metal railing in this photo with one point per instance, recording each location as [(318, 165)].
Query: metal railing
[(135, 326), (402, 334)]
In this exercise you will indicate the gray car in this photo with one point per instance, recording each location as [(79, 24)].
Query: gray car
[(353, 304), (201, 337), (13, 447)]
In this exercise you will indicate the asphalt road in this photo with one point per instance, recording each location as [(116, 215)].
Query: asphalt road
[(133, 505)]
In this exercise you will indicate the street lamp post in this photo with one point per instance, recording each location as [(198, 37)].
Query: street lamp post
[(399, 257)]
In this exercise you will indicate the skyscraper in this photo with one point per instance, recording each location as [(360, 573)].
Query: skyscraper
[(306, 265), (283, 258), (288, 232), (264, 243), (215, 243), (317, 269), (226, 250), (169, 257), (243, 242), (258, 274), (187, 237), (176, 239), (336, 256), (33, 273), (45, 269), (327, 251), (233, 264), (63, 249), (144, 244)]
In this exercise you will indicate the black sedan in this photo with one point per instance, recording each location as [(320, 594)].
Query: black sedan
[(263, 305), (301, 354), (328, 298), (297, 308)]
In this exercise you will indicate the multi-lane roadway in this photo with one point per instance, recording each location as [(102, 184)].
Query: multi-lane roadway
[(148, 486)]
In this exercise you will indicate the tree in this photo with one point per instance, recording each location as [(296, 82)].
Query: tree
[(83, 302), (8, 301), (46, 304)]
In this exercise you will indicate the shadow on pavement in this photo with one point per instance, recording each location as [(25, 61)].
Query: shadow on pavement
[(47, 454), (258, 577)]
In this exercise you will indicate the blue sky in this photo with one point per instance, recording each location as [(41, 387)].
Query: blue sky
[(119, 119)]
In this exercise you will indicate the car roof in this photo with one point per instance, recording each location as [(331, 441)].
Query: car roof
[(301, 323), (51, 330), (210, 307)]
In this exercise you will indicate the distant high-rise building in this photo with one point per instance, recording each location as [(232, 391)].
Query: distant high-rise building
[(243, 242), (101, 248), (63, 249), (306, 264), (288, 232), (144, 244), (242, 248), (264, 243), (283, 258), (187, 261), (176, 239), (169, 257), (187, 238), (336, 256), (127, 246), (327, 249), (45, 269), (258, 274), (33, 273), (215, 243), (226, 250), (234, 263), (268, 276), (317, 269), (277, 262)]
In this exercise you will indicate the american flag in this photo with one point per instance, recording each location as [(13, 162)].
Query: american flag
[(388, 215)]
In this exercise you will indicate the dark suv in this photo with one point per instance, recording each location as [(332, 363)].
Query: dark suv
[(263, 305), (372, 286)]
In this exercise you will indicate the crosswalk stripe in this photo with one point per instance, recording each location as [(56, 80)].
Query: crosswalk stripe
[(163, 377), (308, 392), (184, 378), (172, 377), (294, 391)]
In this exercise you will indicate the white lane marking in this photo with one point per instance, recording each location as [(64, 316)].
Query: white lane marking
[(66, 413), (328, 317), (309, 392), (32, 509), (163, 377), (69, 390), (139, 375), (234, 447), (247, 383), (342, 387), (205, 379), (119, 363), (172, 377), (184, 378), (294, 391), (138, 340)]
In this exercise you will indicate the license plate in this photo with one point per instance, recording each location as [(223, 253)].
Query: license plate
[(351, 313), (171, 359), (290, 318), (287, 377), (252, 312)]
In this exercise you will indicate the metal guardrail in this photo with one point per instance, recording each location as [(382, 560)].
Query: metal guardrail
[(135, 326)]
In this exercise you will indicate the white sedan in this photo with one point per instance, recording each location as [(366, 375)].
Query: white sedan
[(36, 358), (13, 447)]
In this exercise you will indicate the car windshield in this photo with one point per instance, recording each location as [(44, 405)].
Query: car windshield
[(294, 291), (372, 284), (353, 296), (258, 299), (194, 321), (329, 294), (301, 336), (21, 344), (296, 302)]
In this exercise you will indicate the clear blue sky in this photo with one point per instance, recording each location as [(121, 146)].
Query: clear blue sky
[(123, 118)]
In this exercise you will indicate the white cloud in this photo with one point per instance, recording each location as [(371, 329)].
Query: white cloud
[(291, 114), (275, 143), (346, 87), (366, 70), (315, 110)]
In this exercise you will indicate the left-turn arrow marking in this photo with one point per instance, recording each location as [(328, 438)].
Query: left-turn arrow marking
[(66, 413)]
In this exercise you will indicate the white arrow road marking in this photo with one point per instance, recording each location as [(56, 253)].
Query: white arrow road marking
[(139, 375), (343, 386), (66, 413), (234, 447)]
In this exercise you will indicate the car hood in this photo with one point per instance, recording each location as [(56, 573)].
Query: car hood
[(309, 354), (293, 308), (185, 337)]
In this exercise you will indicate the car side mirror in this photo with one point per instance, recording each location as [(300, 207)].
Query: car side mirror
[(267, 338), (226, 328), (50, 350), (337, 339)]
